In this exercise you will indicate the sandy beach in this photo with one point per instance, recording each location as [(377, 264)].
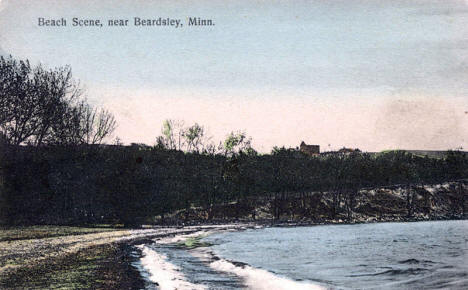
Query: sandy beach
[(28, 259)]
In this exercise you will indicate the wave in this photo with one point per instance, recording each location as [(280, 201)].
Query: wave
[(260, 279), (392, 272), (182, 237), (254, 278), (168, 276), (409, 261), (162, 273), (416, 261)]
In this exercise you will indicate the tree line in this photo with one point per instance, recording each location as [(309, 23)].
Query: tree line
[(135, 184), (54, 168)]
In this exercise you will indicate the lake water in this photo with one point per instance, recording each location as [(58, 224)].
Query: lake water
[(429, 255)]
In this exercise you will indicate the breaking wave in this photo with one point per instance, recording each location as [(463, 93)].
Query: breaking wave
[(253, 278), (260, 279), (167, 275), (164, 274)]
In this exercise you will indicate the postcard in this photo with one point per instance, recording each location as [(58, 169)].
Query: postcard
[(233, 144)]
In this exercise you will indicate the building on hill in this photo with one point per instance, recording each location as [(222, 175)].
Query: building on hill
[(312, 150)]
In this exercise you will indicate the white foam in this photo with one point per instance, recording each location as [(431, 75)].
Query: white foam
[(181, 238), (258, 279), (166, 274)]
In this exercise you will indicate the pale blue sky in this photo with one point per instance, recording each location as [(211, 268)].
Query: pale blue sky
[(368, 53)]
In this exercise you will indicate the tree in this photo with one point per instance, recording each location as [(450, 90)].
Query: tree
[(96, 124), (237, 142), (193, 137), (172, 135), (57, 92), (175, 136), (40, 106), (18, 101)]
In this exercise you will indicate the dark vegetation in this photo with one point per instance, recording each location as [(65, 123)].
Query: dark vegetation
[(133, 184), (54, 169)]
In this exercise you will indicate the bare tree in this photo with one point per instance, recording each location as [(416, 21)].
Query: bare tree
[(190, 139), (40, 106), (18, 101), (58, 96), (172, 135), (96, 124)]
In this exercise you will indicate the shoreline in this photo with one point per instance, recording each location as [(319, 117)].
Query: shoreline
[(91, 261), (112, 264), (244, 225), (285, 222)]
